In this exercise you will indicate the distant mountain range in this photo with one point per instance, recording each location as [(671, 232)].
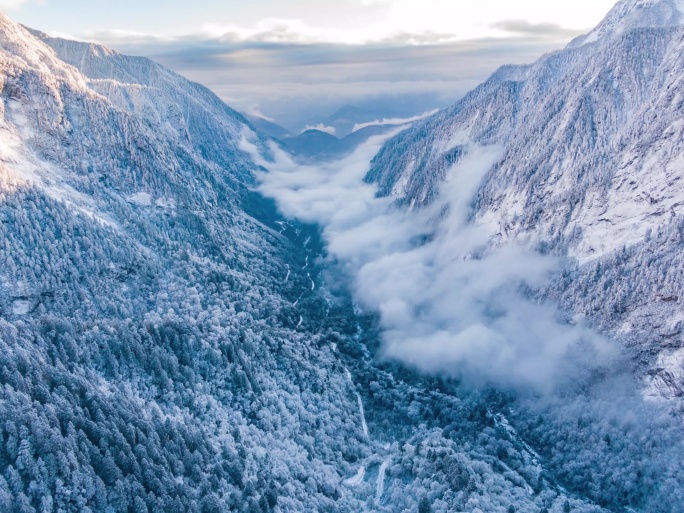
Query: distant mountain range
[(315, 145), (268, 127)]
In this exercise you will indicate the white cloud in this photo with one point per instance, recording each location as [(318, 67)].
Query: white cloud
[(429, 21), (296, 31), (13, 4), (376, 2), (130, 37), (321, 128), (393, 121), (472, 19), (349, 22), (449, 305)]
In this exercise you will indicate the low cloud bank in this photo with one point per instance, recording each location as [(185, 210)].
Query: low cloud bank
[(393, 121), (448, 302)]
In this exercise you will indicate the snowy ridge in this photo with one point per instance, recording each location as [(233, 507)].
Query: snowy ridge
[(183, 110), (18, 45), (633, 14)]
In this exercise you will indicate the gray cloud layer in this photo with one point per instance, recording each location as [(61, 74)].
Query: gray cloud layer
[(535, 29)]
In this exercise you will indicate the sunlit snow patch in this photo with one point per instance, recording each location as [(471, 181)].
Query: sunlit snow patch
[(667, 378), (381, 479)]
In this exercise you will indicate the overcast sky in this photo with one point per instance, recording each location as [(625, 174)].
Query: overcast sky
[(297, 60)]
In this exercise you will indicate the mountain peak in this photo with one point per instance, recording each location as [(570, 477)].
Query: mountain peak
[(633, 14), (94, 49), (19, 44)]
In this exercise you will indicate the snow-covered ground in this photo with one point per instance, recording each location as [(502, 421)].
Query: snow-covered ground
[(362, 415), (21, 307), (141, 198), (364, 426), (357, 479), (668, 381), (380, 486)]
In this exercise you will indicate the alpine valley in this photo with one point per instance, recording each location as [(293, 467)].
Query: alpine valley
[(176, 336)]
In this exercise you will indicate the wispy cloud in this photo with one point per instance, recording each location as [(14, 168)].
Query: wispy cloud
[(527, 28), (133, 37), (253, 110), (294, 31), (421, 22)]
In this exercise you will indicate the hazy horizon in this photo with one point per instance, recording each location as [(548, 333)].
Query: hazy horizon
[(296, 62)]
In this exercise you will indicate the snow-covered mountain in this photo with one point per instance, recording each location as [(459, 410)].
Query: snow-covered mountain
[(268, 127), (170, 343), (636, 14), (592, 166), (135, 291), (187, 112)]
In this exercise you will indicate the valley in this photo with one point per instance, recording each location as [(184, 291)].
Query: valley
[(477, 310)]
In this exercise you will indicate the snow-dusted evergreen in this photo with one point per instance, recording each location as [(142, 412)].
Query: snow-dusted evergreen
[(170, 344), (592, 167)]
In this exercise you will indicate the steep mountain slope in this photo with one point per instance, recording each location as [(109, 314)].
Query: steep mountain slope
[(268, 127), (165, 346), (592, 142)]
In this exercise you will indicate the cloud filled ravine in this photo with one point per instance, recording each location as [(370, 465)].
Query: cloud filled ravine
[(448, 301)]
